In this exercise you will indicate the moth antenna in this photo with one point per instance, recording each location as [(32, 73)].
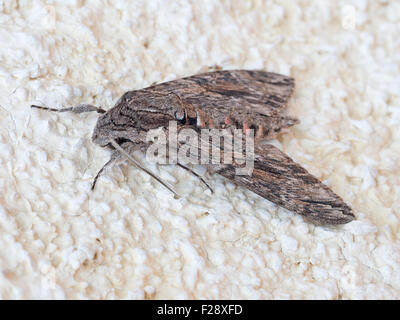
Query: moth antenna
[(77, 109), (137, 165), (197, 175)]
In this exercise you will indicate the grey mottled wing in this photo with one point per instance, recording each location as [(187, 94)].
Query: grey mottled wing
[(259, 91), (221, 98), (278, 178)]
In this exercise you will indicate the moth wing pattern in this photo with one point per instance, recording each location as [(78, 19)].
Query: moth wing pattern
[(218, 99), (279, 179), (260, 91)]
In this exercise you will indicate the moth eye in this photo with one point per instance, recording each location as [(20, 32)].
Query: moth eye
[(180, 115)]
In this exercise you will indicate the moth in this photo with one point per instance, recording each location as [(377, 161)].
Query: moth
[(233, 99)]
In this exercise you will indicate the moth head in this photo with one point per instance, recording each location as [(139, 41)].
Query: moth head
[(101, 132), (108, 128), (118, 124)]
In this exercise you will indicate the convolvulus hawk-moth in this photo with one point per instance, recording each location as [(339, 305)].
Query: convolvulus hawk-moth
[(222, 100)]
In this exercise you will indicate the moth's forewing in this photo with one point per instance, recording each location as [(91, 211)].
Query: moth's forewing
[(256, 91), (219, 98), (278, 178)]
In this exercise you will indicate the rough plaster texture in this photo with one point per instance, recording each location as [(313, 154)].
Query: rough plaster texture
[(130, 238)]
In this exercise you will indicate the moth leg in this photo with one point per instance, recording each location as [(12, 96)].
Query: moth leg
[(113, 158), (121, 154), (77, 109), (116, 158), (125, 154), (196, 175)]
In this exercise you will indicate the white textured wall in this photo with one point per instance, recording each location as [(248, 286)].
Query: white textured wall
[(130, 238)]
